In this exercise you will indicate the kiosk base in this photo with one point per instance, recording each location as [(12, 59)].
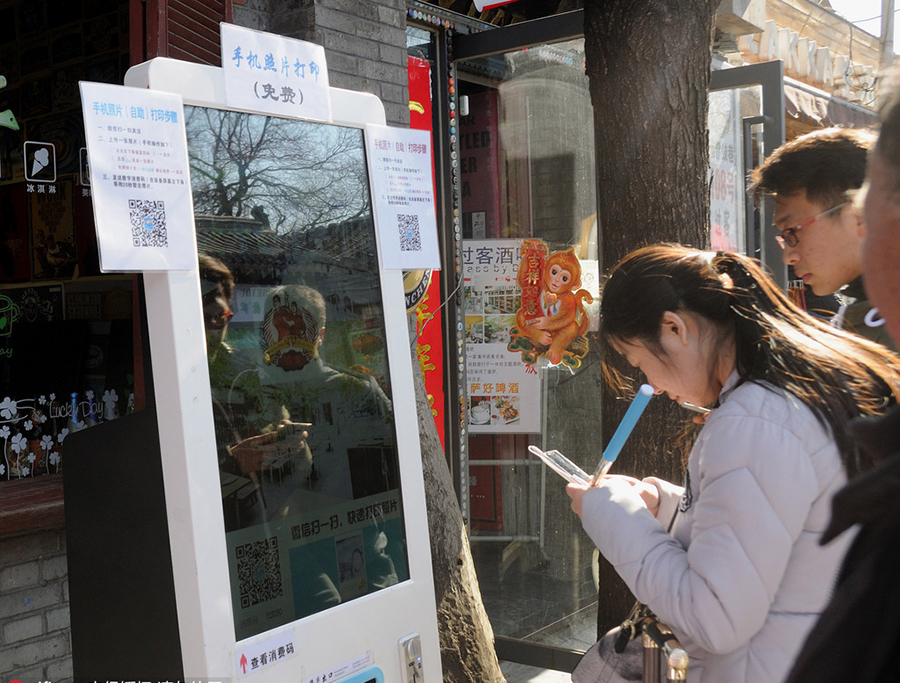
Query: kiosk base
[(122, 594)]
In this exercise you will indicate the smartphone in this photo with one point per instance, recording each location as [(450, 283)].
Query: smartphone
[(564, 467)]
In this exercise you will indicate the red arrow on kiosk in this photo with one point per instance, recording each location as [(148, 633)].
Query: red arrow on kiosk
[(244, 663), (482, 5)]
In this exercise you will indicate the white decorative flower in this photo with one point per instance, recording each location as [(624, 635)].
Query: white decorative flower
[(31, 457), (54, 459), (62, 435), (52, 397), (89, 393), (19, 443), (2, 469), (4, 432), (47, 442), (28, 425), (42, 400), (110, 397), (25, 472), (8, 408)]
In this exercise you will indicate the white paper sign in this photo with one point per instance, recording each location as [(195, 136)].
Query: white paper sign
[(266, 653), (401, 175), (274, 74), (140, 178)]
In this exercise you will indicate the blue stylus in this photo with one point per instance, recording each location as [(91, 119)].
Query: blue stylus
[(623, 431)]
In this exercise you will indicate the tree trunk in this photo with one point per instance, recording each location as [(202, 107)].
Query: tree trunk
[(466, 636), (648, 64)]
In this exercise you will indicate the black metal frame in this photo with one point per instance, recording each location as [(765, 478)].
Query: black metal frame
[(770, 77), (551, 29)]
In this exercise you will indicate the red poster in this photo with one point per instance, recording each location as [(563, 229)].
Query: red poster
[(478, 166), (429, 347)]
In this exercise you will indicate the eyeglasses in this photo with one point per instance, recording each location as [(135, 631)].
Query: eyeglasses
[(788, 236)]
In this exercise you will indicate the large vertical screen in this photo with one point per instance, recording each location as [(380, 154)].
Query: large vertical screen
[(301, 391)]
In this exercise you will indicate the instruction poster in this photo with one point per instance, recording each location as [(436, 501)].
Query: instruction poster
[(140, 178), (400, 169)]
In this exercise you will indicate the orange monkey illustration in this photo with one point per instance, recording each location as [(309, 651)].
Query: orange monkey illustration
[(559, 318)]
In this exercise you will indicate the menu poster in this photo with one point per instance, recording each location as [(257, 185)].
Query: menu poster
[(504, 393), (400, 170), (52, 230), (140, 178)]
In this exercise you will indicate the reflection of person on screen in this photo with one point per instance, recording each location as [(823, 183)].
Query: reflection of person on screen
[(346, 407)]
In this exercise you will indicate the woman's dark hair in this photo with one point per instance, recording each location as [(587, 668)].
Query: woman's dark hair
[(214, 270), (837, 374)]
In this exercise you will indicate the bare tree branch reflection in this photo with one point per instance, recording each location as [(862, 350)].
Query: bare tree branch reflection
[(289, 175)]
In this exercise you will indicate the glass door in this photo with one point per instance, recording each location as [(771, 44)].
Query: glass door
[(746, 124), (528, 194)]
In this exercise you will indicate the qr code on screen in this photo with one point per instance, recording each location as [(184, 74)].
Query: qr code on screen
[(410, 239), (259, 571), (148, 223)]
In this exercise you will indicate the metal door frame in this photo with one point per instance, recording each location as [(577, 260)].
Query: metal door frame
[(770, 77)]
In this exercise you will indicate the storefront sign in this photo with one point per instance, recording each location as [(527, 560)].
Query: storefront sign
[(503, 392), (140, 178), (803, 57), (269, 73), (400, 169)]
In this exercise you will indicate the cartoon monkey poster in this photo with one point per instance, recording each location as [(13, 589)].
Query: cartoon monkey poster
[(551, 321)]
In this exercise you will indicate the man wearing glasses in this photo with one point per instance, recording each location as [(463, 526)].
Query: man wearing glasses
[(813, 179)]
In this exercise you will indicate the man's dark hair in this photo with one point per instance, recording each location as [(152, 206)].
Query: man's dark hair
[(826, 164)]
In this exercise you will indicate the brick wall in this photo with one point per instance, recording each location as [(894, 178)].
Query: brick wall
[(365, 44), (35, 641)]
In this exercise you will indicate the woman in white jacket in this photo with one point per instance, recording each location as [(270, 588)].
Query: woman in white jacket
[(741, 577)]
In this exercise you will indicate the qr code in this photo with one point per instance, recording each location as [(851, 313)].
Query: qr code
[(148, 223), (259, 571), (410, 239)]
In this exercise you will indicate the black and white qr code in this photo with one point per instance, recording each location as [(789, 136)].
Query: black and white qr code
[(410, 239), (259, 571), (148, 223)]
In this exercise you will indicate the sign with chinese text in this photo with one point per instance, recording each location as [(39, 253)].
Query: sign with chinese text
[(553, 315), (726, 192), (258, 656), (269, 73), (503, 392), (140, 179), (403, 196)]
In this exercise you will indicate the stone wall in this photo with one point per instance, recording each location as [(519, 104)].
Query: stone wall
[(35, 639), (365, 43)]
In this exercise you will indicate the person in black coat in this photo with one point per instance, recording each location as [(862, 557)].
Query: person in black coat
[(857, 638)]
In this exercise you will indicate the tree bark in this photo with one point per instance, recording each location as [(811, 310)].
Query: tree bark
[(466, 636), (648, 64)]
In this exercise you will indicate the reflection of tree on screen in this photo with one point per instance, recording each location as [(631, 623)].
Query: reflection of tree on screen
[(300, 174)]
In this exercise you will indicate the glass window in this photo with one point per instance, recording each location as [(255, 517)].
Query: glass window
[(528, 194), (299, 373)]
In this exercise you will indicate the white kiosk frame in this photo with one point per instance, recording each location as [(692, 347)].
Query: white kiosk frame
[(366, 639)]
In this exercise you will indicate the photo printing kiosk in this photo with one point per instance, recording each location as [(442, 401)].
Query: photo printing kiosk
[(265, 520)]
